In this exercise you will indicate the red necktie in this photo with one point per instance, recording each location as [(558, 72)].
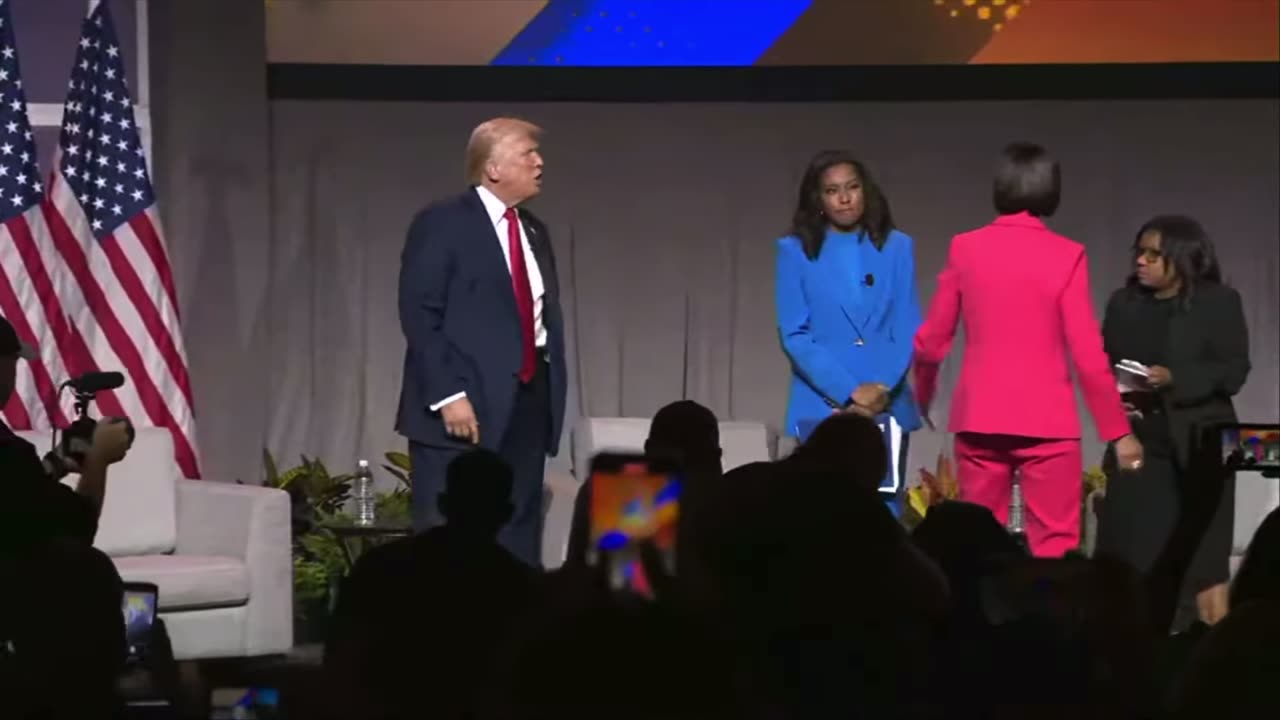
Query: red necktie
[(524, 295)]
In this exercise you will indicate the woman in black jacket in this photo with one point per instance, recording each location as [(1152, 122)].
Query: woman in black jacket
[(1176, 318)]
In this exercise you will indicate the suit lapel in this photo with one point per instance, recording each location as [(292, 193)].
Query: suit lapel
[(540, 244), (490, 252), (844, 272)]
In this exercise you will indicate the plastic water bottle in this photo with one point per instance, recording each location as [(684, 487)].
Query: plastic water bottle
[(362, 494), (1016, 528)]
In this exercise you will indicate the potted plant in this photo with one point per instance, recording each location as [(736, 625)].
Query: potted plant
[(934, 487), (318, 498), (1092, 495)]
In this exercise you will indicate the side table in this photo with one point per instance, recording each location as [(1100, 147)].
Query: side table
[(364, 536)]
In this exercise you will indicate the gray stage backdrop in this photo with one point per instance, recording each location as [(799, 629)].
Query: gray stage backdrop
[(286, 220)]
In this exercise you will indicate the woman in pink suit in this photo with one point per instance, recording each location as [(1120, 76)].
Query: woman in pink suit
[(1023, 292)]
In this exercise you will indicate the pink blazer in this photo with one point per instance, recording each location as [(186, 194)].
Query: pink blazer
[(1023, 292)]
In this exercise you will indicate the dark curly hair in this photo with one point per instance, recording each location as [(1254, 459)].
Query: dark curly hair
[(1186, 248), (810, 225)]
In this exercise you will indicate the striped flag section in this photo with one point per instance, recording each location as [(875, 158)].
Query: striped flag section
[(86, 276)]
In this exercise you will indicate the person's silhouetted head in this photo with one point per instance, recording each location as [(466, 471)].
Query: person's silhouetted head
[(960, 536), (849, 444), (688, 434), (964, 540), (70, 646), (12, 349), (477, 494)]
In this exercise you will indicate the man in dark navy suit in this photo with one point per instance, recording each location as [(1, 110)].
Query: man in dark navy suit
[(480, 309)]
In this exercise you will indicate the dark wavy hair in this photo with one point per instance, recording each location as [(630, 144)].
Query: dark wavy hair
[(810, 225), (1186, 248)]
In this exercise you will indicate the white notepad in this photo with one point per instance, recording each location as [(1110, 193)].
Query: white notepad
[(1131, 376)]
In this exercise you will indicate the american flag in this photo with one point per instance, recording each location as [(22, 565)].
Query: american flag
[(25, 283), (99, 290)]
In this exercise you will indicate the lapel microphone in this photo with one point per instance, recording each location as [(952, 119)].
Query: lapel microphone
[(869, 280)]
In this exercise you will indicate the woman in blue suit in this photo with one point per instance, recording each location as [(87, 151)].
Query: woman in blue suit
[(847, 308)]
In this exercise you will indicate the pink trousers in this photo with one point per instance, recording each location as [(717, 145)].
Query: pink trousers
[(1049, 472)]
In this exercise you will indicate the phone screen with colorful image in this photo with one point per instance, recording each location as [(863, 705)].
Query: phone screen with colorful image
[(139, 610), (633, 502), (1251, 447), (245, 704)]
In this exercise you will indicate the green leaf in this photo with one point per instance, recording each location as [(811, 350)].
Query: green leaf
[(325, 548), (319, 471), (310, 581), (393, 507), (272, 472), (399, 476), (291, 476), (400, 468), (399, 460)]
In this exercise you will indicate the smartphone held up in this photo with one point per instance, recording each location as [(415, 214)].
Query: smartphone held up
[(634, 502), (1251, 447)]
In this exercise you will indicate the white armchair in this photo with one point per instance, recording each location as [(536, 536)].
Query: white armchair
[(219, 553), (1256, 497), (741, 442)]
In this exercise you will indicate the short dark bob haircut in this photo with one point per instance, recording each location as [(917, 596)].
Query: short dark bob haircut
[(1027, 181)]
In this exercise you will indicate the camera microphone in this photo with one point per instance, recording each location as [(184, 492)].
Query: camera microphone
[(96, 382), (69, 453)]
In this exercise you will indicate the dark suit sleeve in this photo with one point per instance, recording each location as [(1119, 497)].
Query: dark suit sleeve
[(1226, 366), (426, 269)]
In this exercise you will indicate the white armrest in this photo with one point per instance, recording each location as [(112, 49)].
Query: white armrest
[(253, 524)]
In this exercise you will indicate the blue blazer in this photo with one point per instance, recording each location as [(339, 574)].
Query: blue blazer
[(840, 330), (458, 315)]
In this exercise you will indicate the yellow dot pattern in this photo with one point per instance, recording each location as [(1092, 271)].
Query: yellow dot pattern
[(996, 14)]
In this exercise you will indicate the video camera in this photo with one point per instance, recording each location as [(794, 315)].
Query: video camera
[(69, 452)]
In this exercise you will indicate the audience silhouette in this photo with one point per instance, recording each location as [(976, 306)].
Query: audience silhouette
[(796, 595), (429, 612)]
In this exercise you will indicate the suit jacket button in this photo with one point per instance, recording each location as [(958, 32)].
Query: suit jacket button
[(859, 342)]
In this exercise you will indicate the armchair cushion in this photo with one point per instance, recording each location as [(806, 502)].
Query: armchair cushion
[(139, 510), (1256, 497), (592, 435), (249, 524), (189, 582), (744, 443)]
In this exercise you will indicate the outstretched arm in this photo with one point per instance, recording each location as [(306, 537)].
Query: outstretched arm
[(937, 332), (1084, 343)]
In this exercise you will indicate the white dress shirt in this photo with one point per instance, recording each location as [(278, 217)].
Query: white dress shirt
[(496, 209)]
